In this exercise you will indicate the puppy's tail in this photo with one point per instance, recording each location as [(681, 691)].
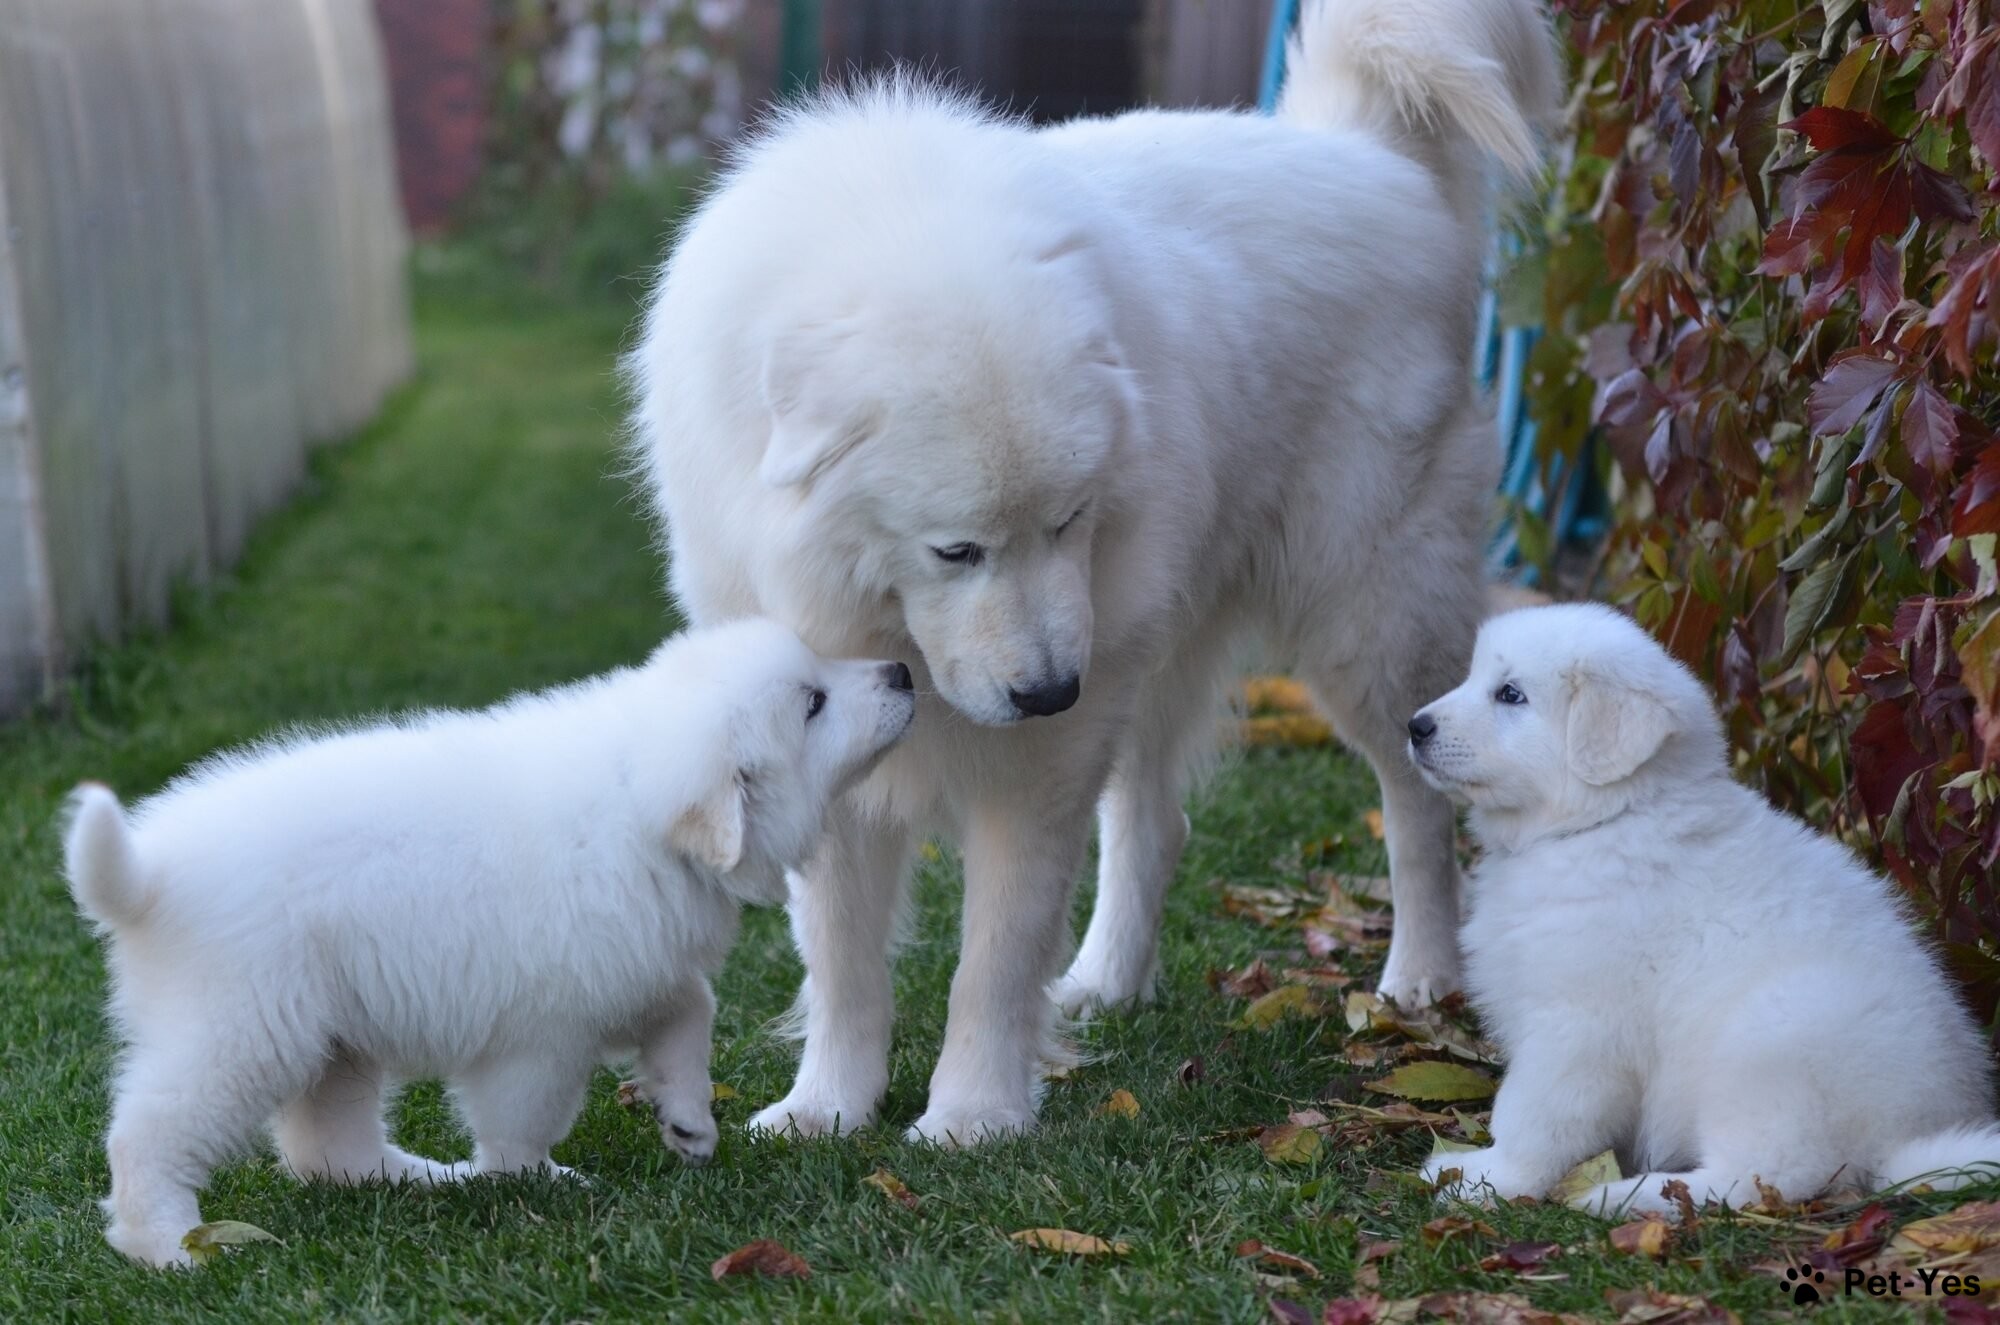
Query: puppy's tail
[(104, 874), (1945, 1160), (1442, 80)]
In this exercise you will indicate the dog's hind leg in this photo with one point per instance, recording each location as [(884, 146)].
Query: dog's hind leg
[(1141, 829), (672, 1073), (843, 912), (176, 1114), (518, 1107), (335, 1132)]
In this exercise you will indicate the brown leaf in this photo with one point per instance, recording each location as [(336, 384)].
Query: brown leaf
[(761, 1257), (1519, 1256), (1850, 385), (1252, 1249), (1064, 1242), (1930, 427), (892, 1187), (1677, 1191), (1862, 1238), (1370, 1252), (1192, 1072), (1646, 1237), (1970, 1228), (1289, 1143), (1351, 1311), (1447, 1228), (1284, 1001), (1649, 1306), (1373, 819), (1287, 1312), (1253, 981)]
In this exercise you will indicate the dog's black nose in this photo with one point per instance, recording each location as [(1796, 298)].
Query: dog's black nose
[(1421, 728), (1044, 700), (898, 676)]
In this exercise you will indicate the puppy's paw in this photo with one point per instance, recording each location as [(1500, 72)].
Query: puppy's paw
[(1482, 1177), (959, 1128), (1085, 990), (158, 1247), (1417, 979), (798, 1117), (692, 1138)]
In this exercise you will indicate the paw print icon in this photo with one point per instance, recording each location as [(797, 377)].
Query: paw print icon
[(1802, 1284)]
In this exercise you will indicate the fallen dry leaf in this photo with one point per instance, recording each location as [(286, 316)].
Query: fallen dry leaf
[(721, 1091), (1302, 730), (1448, 1228), (1473, 1126), (1192, 1072), (761, 1257), (1351, 1311), (1252, 1249), (1122, 1104), (1970, 1228), (1373, 818), (1270, 907), (1649, 1306), (1289, 1143), (1253, 981), (1288, 1313), (1646, 1237), (1519, 1256), (892, 1187), (205, 1242), (1677, 1191), (1436, 1081), (1275, 694), (1476, 1309), (1068, 1243), (1862, 1238), (1274, 1007), (1319, 977), (1592, 1173)]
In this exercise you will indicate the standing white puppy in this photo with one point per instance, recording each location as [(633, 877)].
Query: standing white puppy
[(504, 898), (1671, 967), (1069, 413)]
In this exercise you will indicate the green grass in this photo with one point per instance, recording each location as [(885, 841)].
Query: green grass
[(476, 540)]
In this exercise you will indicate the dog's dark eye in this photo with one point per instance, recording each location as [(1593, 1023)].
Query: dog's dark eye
[(1507, 694), (1074, 516), (815, 701), (960, 554)]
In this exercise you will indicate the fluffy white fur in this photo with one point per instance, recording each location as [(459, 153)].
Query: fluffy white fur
[(1179, 379), (1673, 968), (504, 898)]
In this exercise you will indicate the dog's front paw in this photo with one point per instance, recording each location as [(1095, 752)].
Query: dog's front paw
[(160, 1248), (958, 1128), (1085, 989), (1415, 979), (1476, 1177), (798, 1117), (692, 1138)]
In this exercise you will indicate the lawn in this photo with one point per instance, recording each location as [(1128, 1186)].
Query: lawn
[(478, 539)]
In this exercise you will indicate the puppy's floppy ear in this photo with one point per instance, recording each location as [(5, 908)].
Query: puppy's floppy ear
[(1614, 728), (711, 829), (809, 429)]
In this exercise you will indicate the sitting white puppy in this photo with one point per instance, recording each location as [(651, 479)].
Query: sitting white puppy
[(504, 898), (1672, 968)]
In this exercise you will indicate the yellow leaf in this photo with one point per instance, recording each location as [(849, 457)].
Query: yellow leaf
[(1274, 1007), (1592, 1173), (1373, 818), (929, 851), (1435, 1081), (1275, 694), (1641, 1237), (1361, 1008), (892, 1187), (1969, 1228), (1122, 1104), (1289, 1143), (205, 1242), (1289, 729), (721, 1091), (1444, 1145), (1068, 1243)]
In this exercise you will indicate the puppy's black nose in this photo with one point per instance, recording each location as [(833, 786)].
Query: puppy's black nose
[(898, 676), (1421, 728), (1044, 700)]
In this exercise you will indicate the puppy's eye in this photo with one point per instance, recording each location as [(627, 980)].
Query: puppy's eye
[(1074, 516), (815, 701), (1507, 694), (960, 554)]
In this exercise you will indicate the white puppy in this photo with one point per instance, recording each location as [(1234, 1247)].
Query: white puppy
[(1672, 968), (1068, 413), (504, 898)]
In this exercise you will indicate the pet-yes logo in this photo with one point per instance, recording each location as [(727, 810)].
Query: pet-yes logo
[(1807, 1285)]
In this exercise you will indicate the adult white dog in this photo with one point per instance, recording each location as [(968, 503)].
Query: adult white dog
[(503, 898), (1072, 410), (1673, 968)]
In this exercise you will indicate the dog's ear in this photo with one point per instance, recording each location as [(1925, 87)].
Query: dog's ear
[(1614, 728), (810, 428), (711, 829)]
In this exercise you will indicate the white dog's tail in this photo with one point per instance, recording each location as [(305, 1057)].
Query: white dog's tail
[(1945, 1160), (104, 874), (1443, 80)]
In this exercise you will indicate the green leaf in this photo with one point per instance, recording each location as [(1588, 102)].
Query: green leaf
[(205, 1242), (1592, 1173), (1436, 1081), (1814, 548), (1812, 602), (1289, 1143)]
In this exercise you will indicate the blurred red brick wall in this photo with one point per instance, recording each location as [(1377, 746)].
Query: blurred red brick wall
[(437, 53)]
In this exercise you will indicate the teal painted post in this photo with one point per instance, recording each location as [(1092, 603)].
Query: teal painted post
[(799, 49)]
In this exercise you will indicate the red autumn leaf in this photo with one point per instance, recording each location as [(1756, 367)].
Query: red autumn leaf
[(761, 1257), (1289, 1313), (1884, 757), (1351, 1311), (1831, 128), (1930, 427), (1976, 508), (1937, 196), (1862, 1238), (1881, 284), (1519, 1256), (1843, 395), (1967, 306)]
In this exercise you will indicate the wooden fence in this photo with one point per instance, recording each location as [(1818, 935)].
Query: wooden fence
[(201, 274)]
